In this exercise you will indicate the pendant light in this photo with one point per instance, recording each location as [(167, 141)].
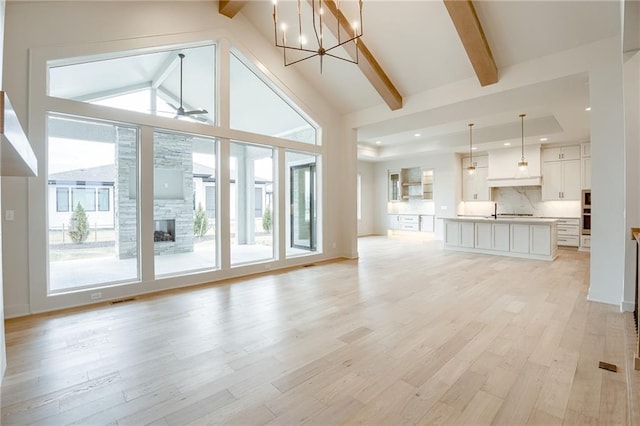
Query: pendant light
[(471, 169), (523, 165)]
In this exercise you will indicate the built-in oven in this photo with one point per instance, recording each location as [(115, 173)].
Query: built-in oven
[(585, 221)]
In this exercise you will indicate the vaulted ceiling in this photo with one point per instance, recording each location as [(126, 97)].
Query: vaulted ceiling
[(420, 51)]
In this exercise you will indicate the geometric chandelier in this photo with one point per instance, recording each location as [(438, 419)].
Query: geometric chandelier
[(307, 36)]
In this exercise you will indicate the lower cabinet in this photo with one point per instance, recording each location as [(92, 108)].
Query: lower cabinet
[(492, 236), (461, 234), (519, 238), (536, 240), (541, 240)]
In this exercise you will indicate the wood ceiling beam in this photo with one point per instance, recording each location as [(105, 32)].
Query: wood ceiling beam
[(465, 19), (366, 61), (230, 8)]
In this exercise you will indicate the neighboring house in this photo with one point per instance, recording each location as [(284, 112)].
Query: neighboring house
[(94, 189)]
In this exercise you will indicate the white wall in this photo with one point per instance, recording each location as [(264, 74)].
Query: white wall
[(631, 71), (38, 26), (3, 355), (366, 225), (608, 226)]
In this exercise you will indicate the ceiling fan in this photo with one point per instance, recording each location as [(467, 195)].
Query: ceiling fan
[(180, 111)]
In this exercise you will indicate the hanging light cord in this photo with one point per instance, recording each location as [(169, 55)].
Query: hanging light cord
[(522, 135), (470, 147)]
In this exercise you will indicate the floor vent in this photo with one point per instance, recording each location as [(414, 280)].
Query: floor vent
[(607, 366), (116, 302), (308, 265)]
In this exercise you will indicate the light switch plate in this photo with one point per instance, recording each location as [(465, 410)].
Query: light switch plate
[(9, 214)]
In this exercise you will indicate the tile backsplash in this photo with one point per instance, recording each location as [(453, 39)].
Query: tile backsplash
[(523, 200)]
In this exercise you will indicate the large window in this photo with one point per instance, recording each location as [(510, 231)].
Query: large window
[(160, 83), (303, 188), (251, 235), (100, 167), (256, 107), (184, 236), (92, 241)]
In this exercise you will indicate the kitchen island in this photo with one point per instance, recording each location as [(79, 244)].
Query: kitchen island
[(527, 237)]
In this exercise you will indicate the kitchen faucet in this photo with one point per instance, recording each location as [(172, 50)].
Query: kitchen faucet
[(495, 210)]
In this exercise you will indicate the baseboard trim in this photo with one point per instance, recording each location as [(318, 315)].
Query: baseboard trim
[(606, 302), (15, 311), (627, 306)]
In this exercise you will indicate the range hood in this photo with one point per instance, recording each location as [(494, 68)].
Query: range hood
[(503, 167), (17, 157)]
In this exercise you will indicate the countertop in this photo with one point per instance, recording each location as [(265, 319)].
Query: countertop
[(507, 219)]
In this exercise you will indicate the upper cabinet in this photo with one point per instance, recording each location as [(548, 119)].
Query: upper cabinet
[(427, 184), (561, 153), (393, 189), (475, 187), (561, 173)]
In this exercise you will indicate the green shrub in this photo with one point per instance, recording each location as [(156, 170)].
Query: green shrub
[(79, 225), (266, 220), (200, 222)]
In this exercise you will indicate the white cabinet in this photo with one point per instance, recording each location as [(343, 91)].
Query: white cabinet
[(484, 235), (475, 187), (501, 236), (561, 175), (534, 238), (585, 150), (561, 153), (393, 186), (569, 232), (519, 238), (459, 234), (585, 242), (403, 222), (427, 223), (540, 240), (492, 236)]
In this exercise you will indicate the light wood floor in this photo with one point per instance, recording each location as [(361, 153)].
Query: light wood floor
[(409, 334)]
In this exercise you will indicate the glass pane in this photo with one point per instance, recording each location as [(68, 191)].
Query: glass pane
[(86, 197), (302, 189), (103, 199), (256, 108), (149, 83), (251, 234), (62, 199), (184, 229), (89, 247)]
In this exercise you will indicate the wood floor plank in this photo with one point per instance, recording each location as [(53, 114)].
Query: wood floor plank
[(405, 334)]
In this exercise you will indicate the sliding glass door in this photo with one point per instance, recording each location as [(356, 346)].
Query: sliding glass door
[(303, 200)]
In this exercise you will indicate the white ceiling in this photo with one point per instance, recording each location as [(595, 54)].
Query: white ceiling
[(417, 45)]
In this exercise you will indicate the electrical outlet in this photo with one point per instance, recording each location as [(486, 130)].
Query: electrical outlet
[(334, 244), (9, 215), (96, 296)]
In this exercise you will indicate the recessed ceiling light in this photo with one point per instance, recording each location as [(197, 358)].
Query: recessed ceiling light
[(507, 144), (474, 148), (587, 109), (417, 135), (378, 142), (544, 139)]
